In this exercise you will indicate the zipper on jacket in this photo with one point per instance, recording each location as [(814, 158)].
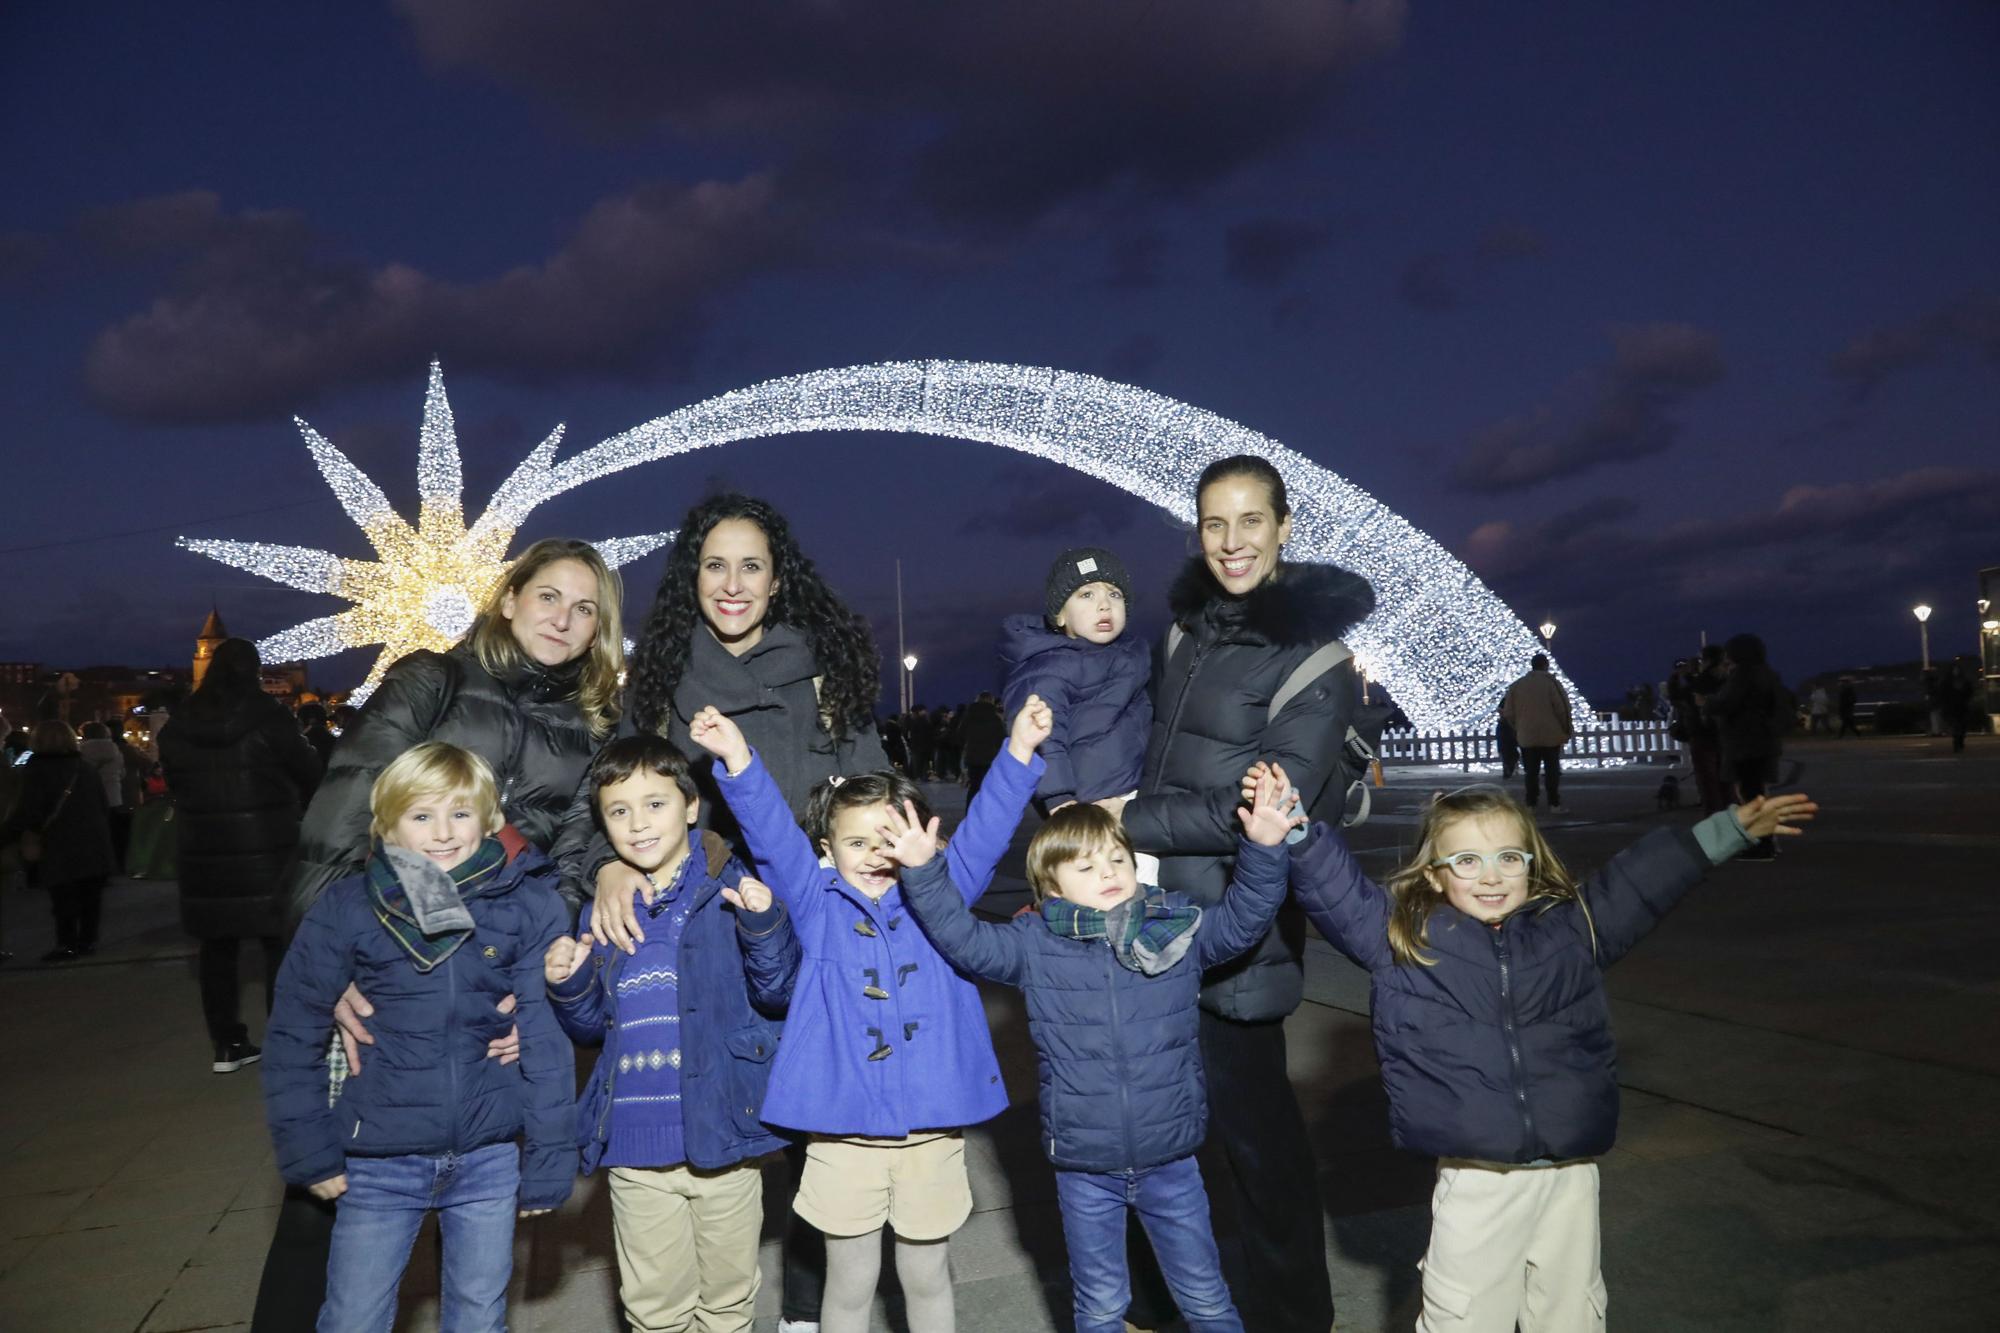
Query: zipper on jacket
[(1180, 702), (1111, 965), (1510, 1027), (450, 1047)]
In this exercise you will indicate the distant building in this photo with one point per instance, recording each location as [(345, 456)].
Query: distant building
[(211, 637), (1989, 639)]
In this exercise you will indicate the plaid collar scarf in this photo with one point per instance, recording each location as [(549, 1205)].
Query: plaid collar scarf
[(1145, 934), (422, 906)]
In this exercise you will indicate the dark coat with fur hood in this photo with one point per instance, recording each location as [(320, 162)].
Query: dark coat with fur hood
[(1211, 721)]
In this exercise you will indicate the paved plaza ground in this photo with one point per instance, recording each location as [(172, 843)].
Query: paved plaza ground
[(1810, 1053)]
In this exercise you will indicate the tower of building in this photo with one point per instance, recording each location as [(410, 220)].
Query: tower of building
[(211, 637)]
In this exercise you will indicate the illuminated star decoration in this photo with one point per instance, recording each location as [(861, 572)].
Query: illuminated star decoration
[(428, 582)]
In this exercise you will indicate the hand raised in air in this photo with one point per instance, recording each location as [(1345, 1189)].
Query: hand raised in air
[(1032, 726), (715, 732), (1273, 810), (910, 841)]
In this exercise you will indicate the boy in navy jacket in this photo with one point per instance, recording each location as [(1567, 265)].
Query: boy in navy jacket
[(688, 1029), (1076, 656), (446, 920), (1112, 974)]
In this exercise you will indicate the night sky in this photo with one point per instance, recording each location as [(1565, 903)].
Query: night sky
[(1664, 318)]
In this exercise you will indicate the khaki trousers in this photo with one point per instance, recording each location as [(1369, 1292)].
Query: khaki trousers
[(1513, 1244), (687, 1246)]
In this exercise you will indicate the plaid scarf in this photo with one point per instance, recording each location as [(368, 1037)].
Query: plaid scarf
[(1145, 934), (423, 906)]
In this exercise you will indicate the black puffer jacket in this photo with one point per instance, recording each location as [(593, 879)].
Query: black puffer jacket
[(528, 727), (240, 774), (1211, 721), (76, 831)]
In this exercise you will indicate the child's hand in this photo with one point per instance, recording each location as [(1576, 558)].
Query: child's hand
[(716, 733), (1273, 809), (910, 842), (749, 895), (1251, 777), (1768, 815), (1032, 726), (329, 1190), (564, 957)]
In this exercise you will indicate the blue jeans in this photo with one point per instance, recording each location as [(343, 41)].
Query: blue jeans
[(475, 1195), (1173, 1207)]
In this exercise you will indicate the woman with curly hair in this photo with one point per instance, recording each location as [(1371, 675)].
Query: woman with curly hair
[(744, 623)]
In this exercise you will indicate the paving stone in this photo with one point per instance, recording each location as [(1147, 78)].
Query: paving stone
[(206, 1297)]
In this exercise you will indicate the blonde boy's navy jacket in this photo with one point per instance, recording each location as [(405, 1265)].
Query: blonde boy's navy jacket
[(1122, 1086), (426, 1086), (1501, 1049)]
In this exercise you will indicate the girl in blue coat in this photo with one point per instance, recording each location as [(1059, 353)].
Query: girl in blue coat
[(886, 1054), (1486, 966), (1113, 981)]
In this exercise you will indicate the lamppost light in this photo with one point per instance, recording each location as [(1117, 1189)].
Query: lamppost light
[(1989, 625), (910, 662), (1922, 613), (1548, 629)]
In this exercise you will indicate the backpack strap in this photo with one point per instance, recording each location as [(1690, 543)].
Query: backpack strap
[(1323, 659)]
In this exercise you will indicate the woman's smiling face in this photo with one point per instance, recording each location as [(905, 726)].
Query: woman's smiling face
[(1240, 532), (734, 582)]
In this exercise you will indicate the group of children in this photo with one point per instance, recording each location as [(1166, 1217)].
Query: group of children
[(825, 992)]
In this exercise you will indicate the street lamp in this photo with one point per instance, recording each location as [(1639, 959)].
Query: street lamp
[(910, 680), (1548, 628), (1923, 615)]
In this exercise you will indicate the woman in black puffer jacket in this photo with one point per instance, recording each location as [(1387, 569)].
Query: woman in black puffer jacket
[(1245, 623), (532, 690), (240, 773)]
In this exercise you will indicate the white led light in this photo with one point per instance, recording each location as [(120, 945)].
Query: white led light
[(1439, 640)]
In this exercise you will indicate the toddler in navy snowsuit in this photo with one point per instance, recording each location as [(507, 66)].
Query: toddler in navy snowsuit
[(1094, 678), (1112, 970)]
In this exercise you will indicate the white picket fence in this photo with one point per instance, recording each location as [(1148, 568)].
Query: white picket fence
[(1606, 739)]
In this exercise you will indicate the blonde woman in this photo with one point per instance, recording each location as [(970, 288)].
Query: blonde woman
[(532, 690)]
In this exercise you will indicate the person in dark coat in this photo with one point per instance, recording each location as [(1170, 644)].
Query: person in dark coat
[(1078, 658), (313, 726), (743, 621), (984, 732), (1485, 961), (530, 690), (240, 775), (1111, 968), (1244, 622), (61, 803), (1748, 708)]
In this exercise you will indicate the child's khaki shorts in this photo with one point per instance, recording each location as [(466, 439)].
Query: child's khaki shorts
[(917, 1185)]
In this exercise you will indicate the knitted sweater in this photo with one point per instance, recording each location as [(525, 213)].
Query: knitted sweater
[(646, 1124)]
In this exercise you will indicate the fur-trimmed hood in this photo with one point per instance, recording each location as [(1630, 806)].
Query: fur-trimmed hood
[(1297, 604)]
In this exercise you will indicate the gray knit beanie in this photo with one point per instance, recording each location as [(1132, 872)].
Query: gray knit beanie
[(1076, 567)]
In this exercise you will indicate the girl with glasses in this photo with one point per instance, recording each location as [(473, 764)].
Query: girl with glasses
[(1486, 963)]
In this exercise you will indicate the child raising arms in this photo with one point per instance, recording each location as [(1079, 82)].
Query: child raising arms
[(886, 1055), (1486, 967), (1112, 971)]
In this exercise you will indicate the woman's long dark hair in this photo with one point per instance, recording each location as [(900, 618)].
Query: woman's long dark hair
[(235, 672), (841, 642)]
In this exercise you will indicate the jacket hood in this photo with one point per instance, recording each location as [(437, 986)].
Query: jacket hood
[(1026, 636), (1297, 604)]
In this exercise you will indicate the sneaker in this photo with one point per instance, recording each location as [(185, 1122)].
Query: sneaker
[(62, 953), (232, 1056), (1558, 809)]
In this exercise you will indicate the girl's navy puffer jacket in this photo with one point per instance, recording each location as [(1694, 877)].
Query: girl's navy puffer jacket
[(1119, 1052), (1103, 713), (1212, 720), (426, 1085), (1501, 1050)]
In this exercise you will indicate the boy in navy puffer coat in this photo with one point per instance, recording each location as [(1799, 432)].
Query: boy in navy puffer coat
[(1112, 974), (688, 1034), (1494, 1033), (446, 920), (1076, 657)]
